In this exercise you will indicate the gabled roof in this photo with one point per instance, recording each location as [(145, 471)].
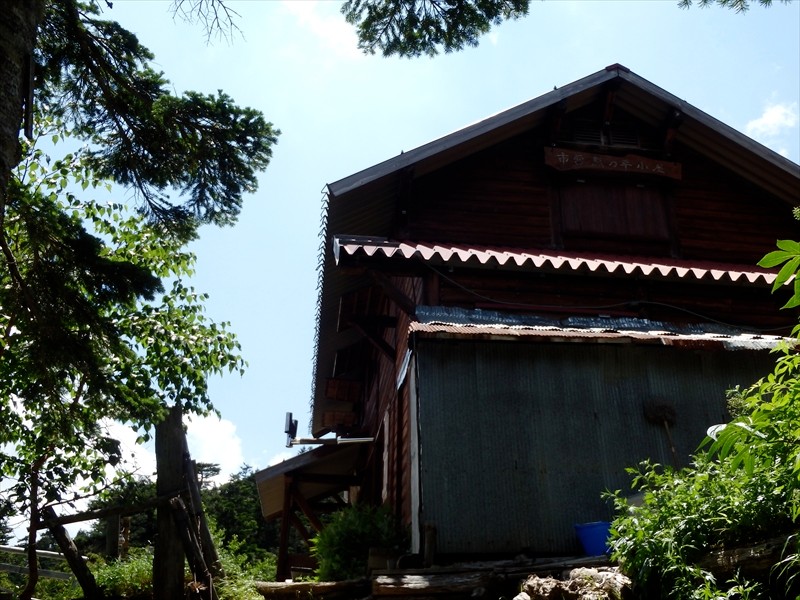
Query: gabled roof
[(634, 94)]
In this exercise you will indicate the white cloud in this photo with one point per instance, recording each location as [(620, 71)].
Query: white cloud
[(774, 121), (214, 440), (327, 25), (280, 457), (210, 440), (140, 458)]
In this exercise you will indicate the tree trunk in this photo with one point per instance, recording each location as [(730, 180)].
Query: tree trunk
[(33, 560), (18, 22)]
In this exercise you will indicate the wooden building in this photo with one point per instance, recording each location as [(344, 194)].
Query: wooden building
[(518, 311)]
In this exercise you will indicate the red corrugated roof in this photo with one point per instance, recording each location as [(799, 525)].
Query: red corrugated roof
[(551, 260)]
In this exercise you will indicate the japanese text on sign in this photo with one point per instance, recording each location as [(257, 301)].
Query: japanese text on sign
[(563, 159)]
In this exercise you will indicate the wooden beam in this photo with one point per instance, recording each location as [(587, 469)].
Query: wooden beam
[(318, 590), (406, 304), (344, 480), (102, 513), (39, 553), (42, 572), (754, 559), (192, 549), (306, 508), (73, 558), (431, 584), (375, 338), (301, 529)]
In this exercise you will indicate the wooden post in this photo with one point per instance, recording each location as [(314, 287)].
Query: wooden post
[(194, 552), (204, 534), (112, 536), (283, 572), (73, 557), (168, 555)]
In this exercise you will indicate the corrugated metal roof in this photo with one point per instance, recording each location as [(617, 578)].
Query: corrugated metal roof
[(548, 260), (742, 341)]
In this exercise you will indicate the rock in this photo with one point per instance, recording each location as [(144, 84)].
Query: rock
[(601, 583)]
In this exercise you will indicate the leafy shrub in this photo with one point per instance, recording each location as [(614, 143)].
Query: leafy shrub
[(241, 570), (342, 547), (131, 576)]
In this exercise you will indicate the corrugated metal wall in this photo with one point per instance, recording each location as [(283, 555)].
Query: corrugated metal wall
[(519, 440)]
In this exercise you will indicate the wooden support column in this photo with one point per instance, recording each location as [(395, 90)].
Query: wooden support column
[(112, 536), (168, 555), (282, 570)]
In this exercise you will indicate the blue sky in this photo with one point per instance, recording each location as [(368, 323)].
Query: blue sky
[(341, 111)]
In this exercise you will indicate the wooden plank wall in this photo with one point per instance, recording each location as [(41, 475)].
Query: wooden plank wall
[(384, 396), (503, 195)]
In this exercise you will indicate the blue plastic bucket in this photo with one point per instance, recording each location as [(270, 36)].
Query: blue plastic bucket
[(594, 537)]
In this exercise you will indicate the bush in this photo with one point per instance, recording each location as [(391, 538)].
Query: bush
[(132, 576), (342, 547), (743, 488)]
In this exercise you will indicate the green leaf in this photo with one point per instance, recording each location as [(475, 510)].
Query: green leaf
[(787, 271), (790, 246), (774, 258)]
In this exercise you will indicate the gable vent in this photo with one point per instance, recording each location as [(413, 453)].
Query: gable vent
[(587, 132), (624, 134)]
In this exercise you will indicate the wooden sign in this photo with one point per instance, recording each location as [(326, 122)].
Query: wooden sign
[(563, 159)]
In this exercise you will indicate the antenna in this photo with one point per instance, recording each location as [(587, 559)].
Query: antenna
[(291, 436), (290, 429)]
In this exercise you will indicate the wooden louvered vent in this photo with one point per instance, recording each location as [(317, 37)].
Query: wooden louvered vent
[(616, 134)]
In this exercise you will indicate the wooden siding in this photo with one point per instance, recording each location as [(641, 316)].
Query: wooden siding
[(383, 398), (720, 216), (518, 441), (496, 197), (412, 288), (505, 196)]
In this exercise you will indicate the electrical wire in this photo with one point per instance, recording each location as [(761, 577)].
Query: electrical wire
[(625, 304)]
